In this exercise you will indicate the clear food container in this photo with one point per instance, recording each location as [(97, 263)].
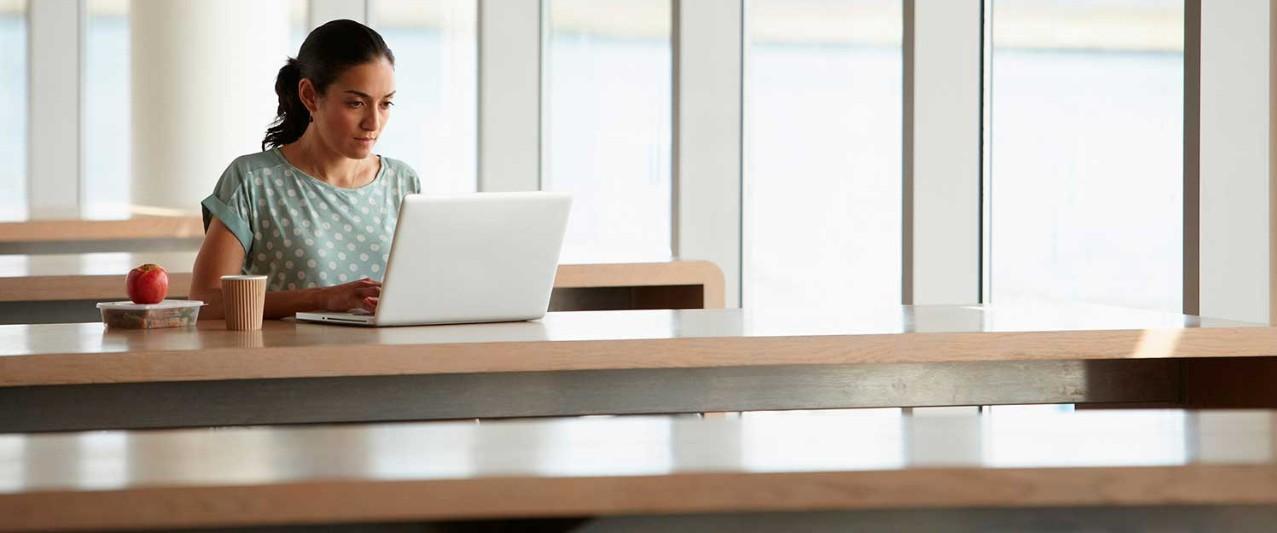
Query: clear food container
[(166, 314)]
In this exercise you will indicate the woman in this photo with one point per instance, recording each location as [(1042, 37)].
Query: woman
[(316, 209)]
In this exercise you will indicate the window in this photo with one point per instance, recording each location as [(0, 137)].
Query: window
[(1087, 143), (433, 126), (298, 25), (822, 189), (606, 115), (107, 120), (13, 109), (108, 95)]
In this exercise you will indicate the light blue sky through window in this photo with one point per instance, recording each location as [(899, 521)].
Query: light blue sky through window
[(13, 114)]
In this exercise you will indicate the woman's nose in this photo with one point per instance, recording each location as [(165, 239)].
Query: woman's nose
[(371, 121)]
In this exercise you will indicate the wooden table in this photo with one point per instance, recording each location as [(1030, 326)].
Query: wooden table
[(80, 376), (137, 233), (1005, 470), (41, 289)]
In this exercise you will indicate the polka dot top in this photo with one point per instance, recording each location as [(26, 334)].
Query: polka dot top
[(302, 232)]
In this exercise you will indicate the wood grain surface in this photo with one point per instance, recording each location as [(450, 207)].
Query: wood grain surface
[(629, 466), (137, 227), (90, 353), (100, 276)]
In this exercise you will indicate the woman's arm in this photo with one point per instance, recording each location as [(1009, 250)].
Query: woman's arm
[(221, 255)]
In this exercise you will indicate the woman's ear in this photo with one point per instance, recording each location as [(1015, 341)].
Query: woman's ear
[(306, 92)]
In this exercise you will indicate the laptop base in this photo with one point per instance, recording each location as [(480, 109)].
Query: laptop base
[(347, 319)]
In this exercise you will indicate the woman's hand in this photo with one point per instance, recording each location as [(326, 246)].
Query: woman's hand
[(359, 294)]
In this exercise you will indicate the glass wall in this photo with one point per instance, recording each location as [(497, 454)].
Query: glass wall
[(107, 105), (606, 114), (822, 189), (13, 109), (298, 24), (433, 126), (1087, 151), (108, 147)]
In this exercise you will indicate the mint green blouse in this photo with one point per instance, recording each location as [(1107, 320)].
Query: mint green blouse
[(302, 232)]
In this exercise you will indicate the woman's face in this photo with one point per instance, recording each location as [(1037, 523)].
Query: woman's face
[(351, 114)]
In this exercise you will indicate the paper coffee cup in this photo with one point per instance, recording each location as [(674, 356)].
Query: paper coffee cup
[(244, 301)]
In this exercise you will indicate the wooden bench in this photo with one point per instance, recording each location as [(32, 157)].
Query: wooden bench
[(792, 471), (64, 287)]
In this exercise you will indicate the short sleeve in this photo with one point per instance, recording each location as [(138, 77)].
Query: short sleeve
[(231, 204), (414, 183)]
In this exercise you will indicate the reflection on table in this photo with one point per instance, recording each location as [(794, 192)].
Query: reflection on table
[(870, 459), (626, 362)]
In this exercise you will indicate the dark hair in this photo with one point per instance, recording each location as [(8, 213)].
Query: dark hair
[(327, 52)]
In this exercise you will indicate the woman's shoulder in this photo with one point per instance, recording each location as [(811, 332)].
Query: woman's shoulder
[(397, 167), (267, 163), (250, 169), (401, 172)]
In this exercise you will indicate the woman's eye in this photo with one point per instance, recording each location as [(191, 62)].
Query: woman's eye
[(386, 105), (355, 105)]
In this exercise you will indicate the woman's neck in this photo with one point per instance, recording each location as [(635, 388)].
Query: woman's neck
[(311, 156)]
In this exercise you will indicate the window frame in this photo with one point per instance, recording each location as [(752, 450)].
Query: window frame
[(1230, 251)]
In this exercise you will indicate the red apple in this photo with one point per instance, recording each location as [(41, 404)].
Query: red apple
[(148, 284)]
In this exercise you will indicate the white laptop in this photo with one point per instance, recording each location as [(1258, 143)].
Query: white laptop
[(482, 257)]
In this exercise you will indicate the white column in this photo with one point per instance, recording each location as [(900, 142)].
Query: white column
[(203, 92), (942, 152), (56, 52), (707, 135), (1272, 169), (509, 95), (1234, 172), (322, 11)]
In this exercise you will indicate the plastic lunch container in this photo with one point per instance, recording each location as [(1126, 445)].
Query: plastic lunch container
[(166, 314)]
